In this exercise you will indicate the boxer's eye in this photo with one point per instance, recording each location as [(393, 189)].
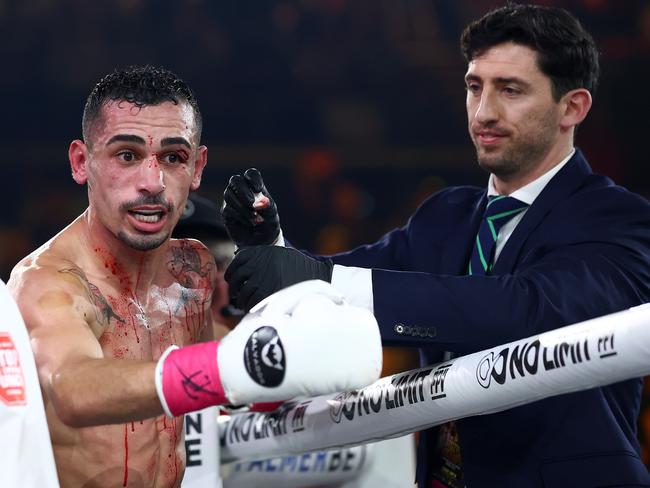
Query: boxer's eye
[(173, 158), (126, 156)]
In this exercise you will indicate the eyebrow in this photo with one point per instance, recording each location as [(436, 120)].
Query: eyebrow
[(167, 141), (500, 80), (511, 79), (126, 138), (170, 141)]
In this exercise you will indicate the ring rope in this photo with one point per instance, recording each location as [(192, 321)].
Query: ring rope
[(593, 353)]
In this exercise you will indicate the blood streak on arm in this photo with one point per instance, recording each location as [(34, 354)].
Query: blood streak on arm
[(126, 456)]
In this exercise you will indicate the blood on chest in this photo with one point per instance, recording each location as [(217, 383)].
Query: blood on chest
[(143, 332)]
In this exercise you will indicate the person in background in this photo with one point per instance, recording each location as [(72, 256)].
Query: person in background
[(27, 459), (545, 244)]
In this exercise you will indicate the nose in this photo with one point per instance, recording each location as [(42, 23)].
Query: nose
[(151, 178), (487, 110)]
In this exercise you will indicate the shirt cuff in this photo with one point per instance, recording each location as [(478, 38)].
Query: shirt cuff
[(355, 284)]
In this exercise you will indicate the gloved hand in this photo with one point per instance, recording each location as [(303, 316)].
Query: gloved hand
[(258, 271), (275, 353), (249, 212), (287, 360)]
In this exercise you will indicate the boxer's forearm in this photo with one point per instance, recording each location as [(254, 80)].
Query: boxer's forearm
[(104, 391)]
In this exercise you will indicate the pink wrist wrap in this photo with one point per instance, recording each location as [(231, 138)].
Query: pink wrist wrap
[(190, 378)]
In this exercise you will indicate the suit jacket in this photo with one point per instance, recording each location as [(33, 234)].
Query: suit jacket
[(582, 250)]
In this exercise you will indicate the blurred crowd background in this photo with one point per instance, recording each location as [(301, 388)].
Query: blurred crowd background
[(352, 109)]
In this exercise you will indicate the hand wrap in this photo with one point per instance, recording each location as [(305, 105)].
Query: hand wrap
[(188, 379)]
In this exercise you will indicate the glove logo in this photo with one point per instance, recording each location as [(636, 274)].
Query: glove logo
[(264, 357), (272, 354)]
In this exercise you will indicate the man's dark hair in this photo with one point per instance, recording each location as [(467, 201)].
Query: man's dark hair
[(141, 86), (566, 52)]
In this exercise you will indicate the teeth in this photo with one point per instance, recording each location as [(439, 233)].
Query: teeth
[(147, 218)]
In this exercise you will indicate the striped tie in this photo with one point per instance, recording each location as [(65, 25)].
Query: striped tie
[(500, 209)]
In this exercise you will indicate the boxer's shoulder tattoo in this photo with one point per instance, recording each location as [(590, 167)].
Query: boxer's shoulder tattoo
[(103, 310), (192, 268)]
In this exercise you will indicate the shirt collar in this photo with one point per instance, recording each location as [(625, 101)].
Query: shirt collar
[(528, 193)]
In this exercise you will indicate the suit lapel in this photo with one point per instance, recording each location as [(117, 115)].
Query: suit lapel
[(561, 186)]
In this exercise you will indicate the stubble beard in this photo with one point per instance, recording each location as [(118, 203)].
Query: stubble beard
[(521, 156), (143, 243)]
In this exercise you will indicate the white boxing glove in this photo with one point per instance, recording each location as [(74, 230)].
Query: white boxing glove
[(301, 341)]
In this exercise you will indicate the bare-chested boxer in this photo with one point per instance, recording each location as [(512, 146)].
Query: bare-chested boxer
[(107, 300)]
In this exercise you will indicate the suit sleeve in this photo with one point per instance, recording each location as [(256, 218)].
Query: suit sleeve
[(425, 233), (590, 256), (470, 313)]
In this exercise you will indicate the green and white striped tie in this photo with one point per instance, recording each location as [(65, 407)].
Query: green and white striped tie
[(500, 209)]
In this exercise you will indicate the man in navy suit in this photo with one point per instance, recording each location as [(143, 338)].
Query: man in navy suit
[(546, 244)]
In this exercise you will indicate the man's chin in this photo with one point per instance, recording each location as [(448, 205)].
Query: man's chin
[(496, 163), (490, 163), (143, 242)]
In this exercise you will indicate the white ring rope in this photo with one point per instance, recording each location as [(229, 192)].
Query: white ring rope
[(594, 353)]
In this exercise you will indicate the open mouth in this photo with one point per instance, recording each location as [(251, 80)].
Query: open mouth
[(147, 216)]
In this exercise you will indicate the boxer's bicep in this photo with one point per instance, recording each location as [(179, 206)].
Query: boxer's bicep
[(84, 387), (56, 314)]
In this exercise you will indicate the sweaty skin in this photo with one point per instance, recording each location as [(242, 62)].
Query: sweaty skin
[(105, 297), (127, 327)]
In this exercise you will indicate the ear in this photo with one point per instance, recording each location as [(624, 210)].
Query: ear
[(78, 156), (576, 104), (201, 161)]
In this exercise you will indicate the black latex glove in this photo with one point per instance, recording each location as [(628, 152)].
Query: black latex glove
[(258, 271), (247, 226)]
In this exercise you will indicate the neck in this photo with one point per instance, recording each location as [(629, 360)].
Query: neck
[(131, 270), (507, 184)]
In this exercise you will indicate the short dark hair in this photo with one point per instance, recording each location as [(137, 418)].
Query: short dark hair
[(141, 86), (566, 52)]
